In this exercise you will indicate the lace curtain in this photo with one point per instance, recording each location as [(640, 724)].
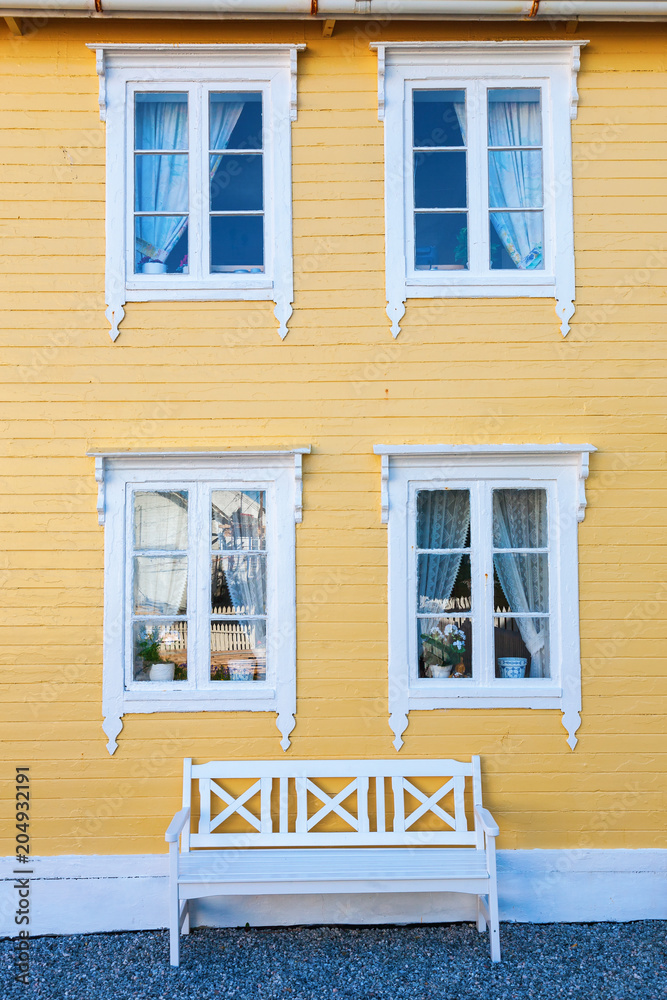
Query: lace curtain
[(443, 517), (519, 522), (162, 181), (515, 179)]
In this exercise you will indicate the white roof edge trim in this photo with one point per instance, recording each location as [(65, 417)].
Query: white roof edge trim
[(471, 10)]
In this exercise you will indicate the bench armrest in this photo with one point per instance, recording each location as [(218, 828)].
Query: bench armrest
[(176, 825), (486, 821)]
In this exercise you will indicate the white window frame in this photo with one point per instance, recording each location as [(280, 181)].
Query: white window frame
[(276, 472), (550, 65), (559, 469), (196, 69)]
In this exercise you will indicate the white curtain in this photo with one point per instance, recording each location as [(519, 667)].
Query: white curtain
[(443, 519), (164, 177), (515, 179), (160, 585), (519, 521)]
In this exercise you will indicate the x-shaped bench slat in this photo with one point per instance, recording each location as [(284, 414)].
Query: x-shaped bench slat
[(332, 804), (235, 805), (429, 804)]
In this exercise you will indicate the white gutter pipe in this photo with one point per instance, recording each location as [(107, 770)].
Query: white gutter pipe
[(469, 10)]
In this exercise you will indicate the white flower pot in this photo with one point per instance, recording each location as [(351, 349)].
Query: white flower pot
[(512, 667), (438, 670), (162, 671), (241, 670), (153, 267)]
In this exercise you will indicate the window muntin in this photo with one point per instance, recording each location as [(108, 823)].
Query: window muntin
[(516, 234), (239, 612), (468, 632), (440, 180), (477, 188), (175, 635), (236, 182), (161, 183)]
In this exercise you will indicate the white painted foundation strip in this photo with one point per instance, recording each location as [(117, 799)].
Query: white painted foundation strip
[(88, 893)]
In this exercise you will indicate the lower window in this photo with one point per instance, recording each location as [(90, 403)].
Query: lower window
[(483, 577), (199, 584)]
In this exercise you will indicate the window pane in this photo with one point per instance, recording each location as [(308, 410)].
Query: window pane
[(235, 121), (443, 583), (524, 580), (438, 117), (238, 584), (443, 519), (160, 519), (236, 182), (516, 240), (515, 117), (441, 241), (515, 179), (444, 647), (238, 650), (161, 121), (237, 243), (160, 585), (521, 647), (161, 182), (161, 244), (238, 519), (520, 519), (160, 651), (440, 180)]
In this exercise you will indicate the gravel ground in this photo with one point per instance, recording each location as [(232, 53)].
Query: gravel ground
[(446, 962)]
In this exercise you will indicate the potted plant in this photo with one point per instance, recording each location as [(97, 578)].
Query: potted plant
[(148, 650), (443, 650)]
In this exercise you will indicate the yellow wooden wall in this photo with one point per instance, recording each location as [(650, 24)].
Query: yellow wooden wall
[(216, 376)]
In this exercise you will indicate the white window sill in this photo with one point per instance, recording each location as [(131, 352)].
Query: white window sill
[(454, 690)]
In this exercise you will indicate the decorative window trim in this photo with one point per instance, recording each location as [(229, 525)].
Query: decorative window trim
[(551, 64), (565, 469), (269, 67), (279, 471)]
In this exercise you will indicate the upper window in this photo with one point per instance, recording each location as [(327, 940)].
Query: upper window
[(199, 584), (198, 173), (482, 205), (483, 577)]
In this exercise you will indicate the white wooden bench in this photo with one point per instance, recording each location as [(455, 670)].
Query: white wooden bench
[(288, 831)]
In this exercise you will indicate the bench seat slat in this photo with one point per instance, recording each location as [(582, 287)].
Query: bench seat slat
[(306, 865)]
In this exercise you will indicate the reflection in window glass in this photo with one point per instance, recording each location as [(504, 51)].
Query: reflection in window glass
[(236, 175), (440, 180), (239, 611)]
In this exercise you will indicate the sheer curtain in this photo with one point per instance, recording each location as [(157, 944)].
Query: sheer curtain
[(160, 582), (443, 520), (162, 181), (519, 521), (515, 179)]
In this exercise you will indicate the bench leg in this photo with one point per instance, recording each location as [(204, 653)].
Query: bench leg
[(481, 919), (494, 926), (185, 917), (174, 928)]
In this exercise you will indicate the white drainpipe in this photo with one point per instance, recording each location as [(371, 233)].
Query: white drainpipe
[(470, 10)]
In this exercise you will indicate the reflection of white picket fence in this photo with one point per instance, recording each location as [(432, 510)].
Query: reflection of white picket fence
[(225, 636)]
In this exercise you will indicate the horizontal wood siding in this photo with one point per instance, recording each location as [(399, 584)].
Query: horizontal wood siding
[(215, 375)]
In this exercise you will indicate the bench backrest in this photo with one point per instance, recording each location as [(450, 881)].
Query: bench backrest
[(381, 802)]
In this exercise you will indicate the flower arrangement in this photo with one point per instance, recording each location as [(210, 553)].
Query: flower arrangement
[(447, 645)]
